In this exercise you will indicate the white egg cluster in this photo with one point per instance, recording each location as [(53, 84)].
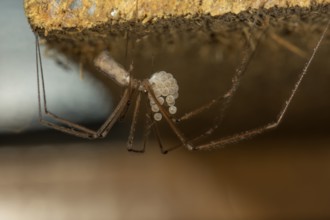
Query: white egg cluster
[(166, 90)]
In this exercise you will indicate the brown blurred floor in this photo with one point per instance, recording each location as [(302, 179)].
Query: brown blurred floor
[(259, 179)]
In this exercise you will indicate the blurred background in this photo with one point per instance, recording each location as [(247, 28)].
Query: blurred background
[(44, 174)]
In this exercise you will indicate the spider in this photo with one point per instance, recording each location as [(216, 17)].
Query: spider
[(161, 90)]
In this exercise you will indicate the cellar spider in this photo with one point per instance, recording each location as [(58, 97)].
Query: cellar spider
[(161, 90)]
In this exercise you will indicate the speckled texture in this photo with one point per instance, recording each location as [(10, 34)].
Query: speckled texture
[(82, 14)]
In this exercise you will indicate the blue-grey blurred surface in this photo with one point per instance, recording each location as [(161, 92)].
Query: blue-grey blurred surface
[(67, 94)]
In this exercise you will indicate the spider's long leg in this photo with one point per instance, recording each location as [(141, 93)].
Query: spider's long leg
[(150, 123), (115, 115), (227, 97), (250, 133), (199, 110), (133, 125), (230, 92), (159, 139), (128, 104), (72, 128), (167, 117), (156, 132), (146, 133), (129, 37)]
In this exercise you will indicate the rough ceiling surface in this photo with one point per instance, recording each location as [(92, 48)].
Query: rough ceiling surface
[(81, 29)]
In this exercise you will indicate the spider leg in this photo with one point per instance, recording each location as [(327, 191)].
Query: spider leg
[(133, 126), (147, 126), (159, 140), (68, 126), (199, 110), (161, 146), (228, 96), (248, 54), (121, 112), (72, 128), (225, 99), (115, 115), (156, 132), (150, 123), (167, 117), (128, 104), (130, 68), (250, 133)]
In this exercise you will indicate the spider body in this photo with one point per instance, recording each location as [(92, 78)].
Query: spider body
[(163, 84)]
